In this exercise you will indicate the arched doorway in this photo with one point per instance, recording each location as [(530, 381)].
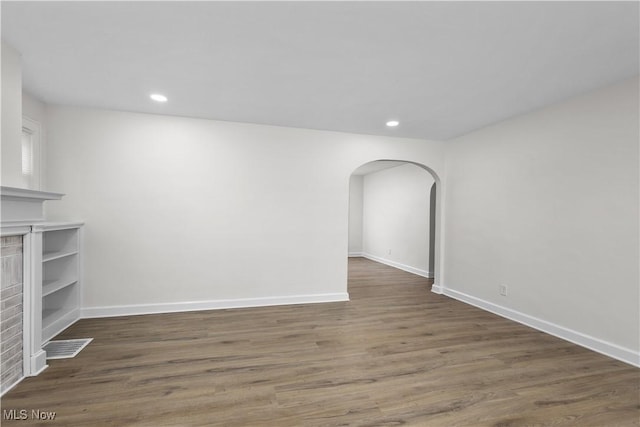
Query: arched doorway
[(417, 239)]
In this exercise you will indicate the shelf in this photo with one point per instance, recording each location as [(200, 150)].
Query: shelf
[(56, 226), (25, 194), (59, 276), (50, 256), (55, 321), (51, 286), (50, 315)]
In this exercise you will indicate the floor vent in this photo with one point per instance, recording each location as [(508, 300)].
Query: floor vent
[(65, 349)]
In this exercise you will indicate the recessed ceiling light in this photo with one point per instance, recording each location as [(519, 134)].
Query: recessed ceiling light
[(393, 123), (158, 98)]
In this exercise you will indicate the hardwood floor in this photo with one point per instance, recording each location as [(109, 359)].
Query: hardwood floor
[(396, 354)]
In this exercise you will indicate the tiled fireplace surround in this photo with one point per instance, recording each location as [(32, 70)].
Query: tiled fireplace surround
[(11, 313), (21, 354)]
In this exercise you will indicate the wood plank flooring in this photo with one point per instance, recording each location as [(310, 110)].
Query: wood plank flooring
[(396, 354)]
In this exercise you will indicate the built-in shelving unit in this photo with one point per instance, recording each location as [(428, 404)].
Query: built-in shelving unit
[(60, 276), (51, 272)]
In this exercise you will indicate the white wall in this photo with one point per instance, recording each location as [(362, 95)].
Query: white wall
[(209, 213), (547, 204), (33, 107), (396, 217), (11, 118), (355, 215)]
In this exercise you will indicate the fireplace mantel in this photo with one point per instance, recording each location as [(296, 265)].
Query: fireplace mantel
[(22, 207), (22, 217)]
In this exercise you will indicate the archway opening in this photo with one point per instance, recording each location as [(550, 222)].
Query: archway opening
[(393, 216)]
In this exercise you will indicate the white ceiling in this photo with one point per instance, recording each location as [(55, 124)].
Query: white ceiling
[(441, 69)]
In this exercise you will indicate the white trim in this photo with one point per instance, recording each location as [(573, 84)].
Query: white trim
[(12, 193), (14, 230), (129, 310), (408, 268), (604, 347), (34, 129), (21, 206), (437, 289), (12, 386), (55, 226), (51, 330), (23, 223), (355, 254), (38, 363)]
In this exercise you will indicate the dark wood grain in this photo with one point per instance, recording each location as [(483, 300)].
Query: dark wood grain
[(396, 354)]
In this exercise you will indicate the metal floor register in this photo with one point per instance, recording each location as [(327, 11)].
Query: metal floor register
[(65, 349)]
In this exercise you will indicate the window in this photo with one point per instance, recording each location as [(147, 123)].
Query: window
[(31, 153)]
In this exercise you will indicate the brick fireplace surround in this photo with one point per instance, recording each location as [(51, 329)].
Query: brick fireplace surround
[(21, 354)]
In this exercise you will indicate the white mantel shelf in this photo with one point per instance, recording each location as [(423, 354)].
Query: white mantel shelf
[(12, 193), (23, 206), (57, 225)]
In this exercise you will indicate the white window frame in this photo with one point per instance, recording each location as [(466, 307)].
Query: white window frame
[(34, 129)]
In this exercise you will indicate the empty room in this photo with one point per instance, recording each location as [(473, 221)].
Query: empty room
[(323, 213)]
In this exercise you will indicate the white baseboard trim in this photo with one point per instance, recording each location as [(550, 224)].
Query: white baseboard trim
[(18, 381), (437, 289), (398, 265), (39, 360), (604, 347), (136, 309), (355, 254)]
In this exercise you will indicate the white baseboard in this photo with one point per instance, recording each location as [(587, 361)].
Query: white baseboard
[(604, 347), (39, 361), (437, 289), (408, 268), (136, 309), (355, 254), (12, 386)]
